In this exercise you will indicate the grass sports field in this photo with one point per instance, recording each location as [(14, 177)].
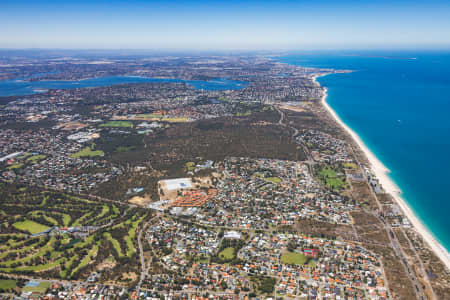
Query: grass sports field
[(88, 152), (293, 258), (7, 284), (40, 288)]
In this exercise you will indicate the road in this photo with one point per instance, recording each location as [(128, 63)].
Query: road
[(281, 122), (396, 245), (144, 268)]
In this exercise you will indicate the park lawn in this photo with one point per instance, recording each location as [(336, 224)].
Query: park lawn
[(227, 253), (88, 152), (331, 178), (125, 149), (150, 116), (311, 264), (41, 288), (224, 99), (15, 166), (328, 172), (36, 158), (335, 183), (30, 226), (241, 114), (273, 179), (202, 260), (7, 284), (293, 258), (126, 124), (350, 166), (190, 166)]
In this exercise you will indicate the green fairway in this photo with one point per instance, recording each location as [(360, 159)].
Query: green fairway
[(7, 284), (30, 226), (105, 210), (42, 214), (87, 152), (83, 218), (130, 246), (62, 255), (66, 219), (86, 259), (114, 242), (41, 288), (227, 253), (293, 258), (131, 236), (125, 124)]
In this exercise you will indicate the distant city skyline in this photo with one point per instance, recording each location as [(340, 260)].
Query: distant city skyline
[(203, 25)]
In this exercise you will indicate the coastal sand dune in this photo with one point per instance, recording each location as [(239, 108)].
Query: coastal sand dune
[(389, 186)]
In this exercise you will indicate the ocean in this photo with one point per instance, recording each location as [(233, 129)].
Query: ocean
[(20, 87), (398, 102)]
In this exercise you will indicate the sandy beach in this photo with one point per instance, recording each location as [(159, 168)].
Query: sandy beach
[(389, 186)]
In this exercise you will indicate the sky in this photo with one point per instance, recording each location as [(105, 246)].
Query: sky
[(262, 25)]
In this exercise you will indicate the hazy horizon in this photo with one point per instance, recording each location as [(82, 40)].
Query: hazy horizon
[(234, 25)]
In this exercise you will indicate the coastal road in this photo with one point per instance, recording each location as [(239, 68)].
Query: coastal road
[(396, 245), (398, 250)]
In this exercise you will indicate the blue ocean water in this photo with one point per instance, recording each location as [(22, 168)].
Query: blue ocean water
[(399, 104), (20, 87)]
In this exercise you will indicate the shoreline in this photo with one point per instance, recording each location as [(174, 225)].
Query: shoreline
[(388, 184)]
